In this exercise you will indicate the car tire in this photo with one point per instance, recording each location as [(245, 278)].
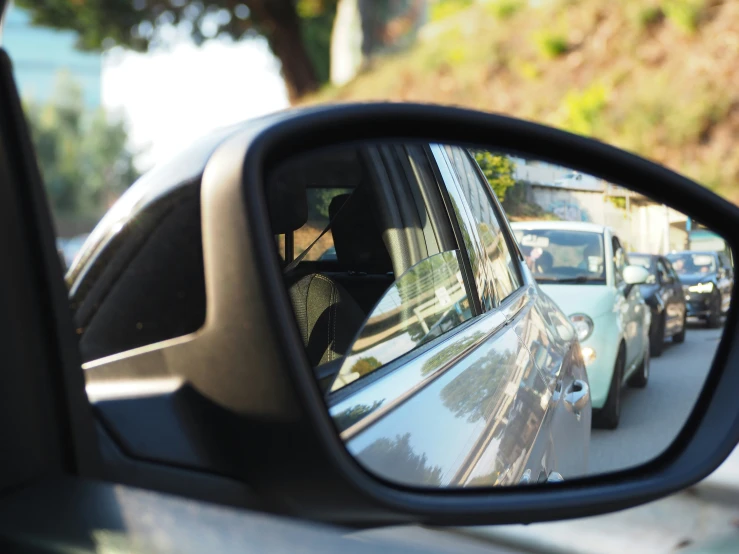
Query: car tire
[(657, 336), (640, 378), (679, 338), (714, 318), (610, 414)]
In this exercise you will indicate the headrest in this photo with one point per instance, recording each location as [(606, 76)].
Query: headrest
[(287, 202), (357, 237)]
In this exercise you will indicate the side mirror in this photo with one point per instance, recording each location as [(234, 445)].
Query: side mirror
[(424, 426), (635, 275)]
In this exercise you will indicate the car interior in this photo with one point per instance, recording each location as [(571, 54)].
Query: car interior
[(379, 230)]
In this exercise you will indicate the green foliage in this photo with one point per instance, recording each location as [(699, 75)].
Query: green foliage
[(350, 416), (441, 9), (583, 110), (498, 169), (83, 156), (297, 32), (550, 44), (317, 26), (648, 15), (684, 14), (618, 201), (504, 9)]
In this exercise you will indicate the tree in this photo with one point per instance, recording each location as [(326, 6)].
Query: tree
[(83, 156), (498, 170), (396, 459), (297, 31), (470, 395)]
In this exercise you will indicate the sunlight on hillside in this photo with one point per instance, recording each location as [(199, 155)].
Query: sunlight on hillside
[(658, 78)]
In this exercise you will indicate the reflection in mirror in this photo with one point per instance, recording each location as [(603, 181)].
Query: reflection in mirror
[(477, 318)]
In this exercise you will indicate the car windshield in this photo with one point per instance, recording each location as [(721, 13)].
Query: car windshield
[(691, 263), (563, 256), (641, 260)]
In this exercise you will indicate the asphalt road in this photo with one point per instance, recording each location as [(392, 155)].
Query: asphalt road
[(652, 417)]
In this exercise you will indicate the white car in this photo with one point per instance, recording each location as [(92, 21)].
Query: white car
[(585, 270)]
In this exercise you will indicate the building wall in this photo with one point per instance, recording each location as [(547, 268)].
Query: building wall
[(645, 227)]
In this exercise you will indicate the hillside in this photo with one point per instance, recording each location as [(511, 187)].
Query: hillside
[(658, 78)]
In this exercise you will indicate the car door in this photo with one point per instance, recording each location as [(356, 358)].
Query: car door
[(501, 258), (457, 402), (563, 437), (633, 309), (672, 297), (726, 281)]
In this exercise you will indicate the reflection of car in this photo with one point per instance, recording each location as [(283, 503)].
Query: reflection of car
[(663, 293), (421, 342), (707, 279), (584, 268)]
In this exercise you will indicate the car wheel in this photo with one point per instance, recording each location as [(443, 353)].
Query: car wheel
[(641, 376), (657, 336), (610, 414), (714, 318), (680, 337)]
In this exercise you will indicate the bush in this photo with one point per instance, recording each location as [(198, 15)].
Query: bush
[(583, 110), (441, 9), (684, 14), (551, 45), (498, 169), (504, 9)]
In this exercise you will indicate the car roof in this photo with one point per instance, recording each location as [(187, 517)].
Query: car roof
[(560, 225)]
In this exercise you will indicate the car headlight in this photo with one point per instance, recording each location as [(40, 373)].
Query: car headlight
[(588, 355), (701, 288), (583, 326)]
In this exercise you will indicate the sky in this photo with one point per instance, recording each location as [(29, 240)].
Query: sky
[(169, 97), (172, 97)]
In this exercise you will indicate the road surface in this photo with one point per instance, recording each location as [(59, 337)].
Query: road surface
[(652, 417)]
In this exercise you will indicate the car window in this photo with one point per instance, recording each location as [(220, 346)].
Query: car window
[(641, 260), (693, 263), (563, 256), (427, 301), (671, 270), (319, 200), (503, 265)]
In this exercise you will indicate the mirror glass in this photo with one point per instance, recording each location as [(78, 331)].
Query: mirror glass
[(477, 318)]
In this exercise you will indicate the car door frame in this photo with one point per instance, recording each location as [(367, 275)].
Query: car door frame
[(517, 305), (726, 282), (673, 323)]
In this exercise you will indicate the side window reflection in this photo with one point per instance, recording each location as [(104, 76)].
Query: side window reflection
[(427, 301)]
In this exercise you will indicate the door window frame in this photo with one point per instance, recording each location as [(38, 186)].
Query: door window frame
[(401, 378)]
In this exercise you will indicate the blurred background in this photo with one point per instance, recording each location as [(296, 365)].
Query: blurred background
[(111, 88)]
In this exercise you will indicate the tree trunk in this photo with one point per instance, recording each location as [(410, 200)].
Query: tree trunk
[(280, 25)]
